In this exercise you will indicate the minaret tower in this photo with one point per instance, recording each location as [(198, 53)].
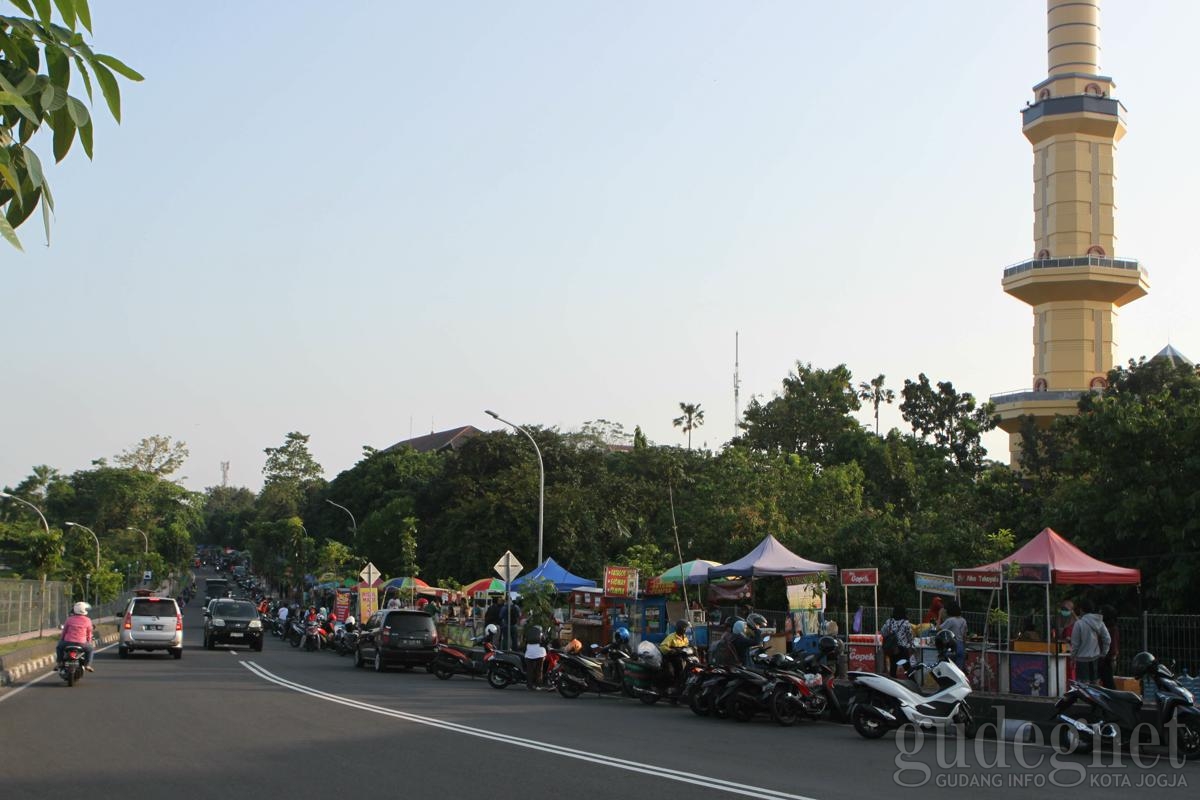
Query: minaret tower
[(1075, 282)]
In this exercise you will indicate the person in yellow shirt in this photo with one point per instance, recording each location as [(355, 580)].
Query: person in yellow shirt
[(672, 647)]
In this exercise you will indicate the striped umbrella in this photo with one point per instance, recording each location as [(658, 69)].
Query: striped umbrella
[(483, 587), (692, 572)]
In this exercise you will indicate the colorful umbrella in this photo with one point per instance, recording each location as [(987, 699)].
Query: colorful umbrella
[(406, 583), (693, 572), (484, 586)]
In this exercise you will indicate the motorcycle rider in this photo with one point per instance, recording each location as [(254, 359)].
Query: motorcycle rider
[(77, 630), (672, 650)]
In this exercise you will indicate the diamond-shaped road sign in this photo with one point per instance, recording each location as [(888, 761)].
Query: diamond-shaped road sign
[(508, 567), (369, 574)]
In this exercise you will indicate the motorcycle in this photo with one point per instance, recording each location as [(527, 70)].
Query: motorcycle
[(294, 632), (648, 679), (345, 639), (455, 660), (314, 635), (748, 689), (71, 668), (882, 703), (703, 688), (579, 673), (1110, 715), (805, 686)]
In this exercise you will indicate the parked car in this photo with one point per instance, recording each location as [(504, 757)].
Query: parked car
[(228, 622), (397, 638), (151, 623)]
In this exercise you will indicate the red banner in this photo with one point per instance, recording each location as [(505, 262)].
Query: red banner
[(977, 578), (341, 605), (860, 577), (656, 586), (620, 581)]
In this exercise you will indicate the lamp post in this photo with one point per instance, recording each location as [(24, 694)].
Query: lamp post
[(94, 536), (144, 537), (45, 524), (353, 524), (541, 469)]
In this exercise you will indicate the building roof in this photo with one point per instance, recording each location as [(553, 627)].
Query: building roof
[(1174, 356), (438, 441)]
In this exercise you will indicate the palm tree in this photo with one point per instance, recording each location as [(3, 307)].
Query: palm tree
[(692, 418), (874, 393)]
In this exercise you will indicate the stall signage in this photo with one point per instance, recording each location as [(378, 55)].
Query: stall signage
[(860, 577), (937, 584), (1027, 573), (368, 601), (977, 578), (620, 581), (341, 605), (658, 586)]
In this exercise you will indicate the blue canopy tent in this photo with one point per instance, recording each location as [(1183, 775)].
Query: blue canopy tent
[(551, 570)]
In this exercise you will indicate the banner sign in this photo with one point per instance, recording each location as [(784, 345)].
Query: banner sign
[(656, 586), (368, 601), (938, 584), (620, 581), (977, 578), (860, 577), (341, 605), (1027, 573)]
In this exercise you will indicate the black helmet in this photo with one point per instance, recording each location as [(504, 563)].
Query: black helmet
[(828, 645), (535, 634), (681, 626), (1142, 663), (778, 660), (945, 641), (756, 622)]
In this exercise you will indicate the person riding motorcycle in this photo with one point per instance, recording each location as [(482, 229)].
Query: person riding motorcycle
[(77, 630), (672, 649)]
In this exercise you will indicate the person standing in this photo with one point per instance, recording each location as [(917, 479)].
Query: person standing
[(897, 639), (1089, 643), (955, 623)]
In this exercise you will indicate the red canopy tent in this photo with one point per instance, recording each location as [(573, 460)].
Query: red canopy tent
[(1068, 564)]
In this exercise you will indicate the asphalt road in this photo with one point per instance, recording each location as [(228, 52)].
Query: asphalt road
[(285, 723)]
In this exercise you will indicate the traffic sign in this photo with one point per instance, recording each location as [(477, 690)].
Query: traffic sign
[(369, 574), (508, 567)]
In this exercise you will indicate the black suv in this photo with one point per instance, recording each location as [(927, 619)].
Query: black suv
[(229, 622), (397, 637)]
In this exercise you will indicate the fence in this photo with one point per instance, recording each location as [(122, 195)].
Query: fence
[(23, 608)]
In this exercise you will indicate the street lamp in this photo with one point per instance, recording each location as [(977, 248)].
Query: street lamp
[(353, 524), (541, 469), (144, 536), (94, 536), (8, 496)]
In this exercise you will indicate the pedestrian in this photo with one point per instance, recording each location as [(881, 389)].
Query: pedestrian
[(1090, 641), (955, 623), (897, 639), (936, 613), (1109, 660)]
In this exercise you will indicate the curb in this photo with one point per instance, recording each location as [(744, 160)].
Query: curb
[(10, 675)]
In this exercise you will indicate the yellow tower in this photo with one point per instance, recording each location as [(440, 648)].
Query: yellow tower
[(1075, 282)]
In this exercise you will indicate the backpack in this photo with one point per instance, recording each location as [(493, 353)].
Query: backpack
[(891, 642)]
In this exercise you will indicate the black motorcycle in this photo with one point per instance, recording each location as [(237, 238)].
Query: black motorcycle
[(345, 640), (652, 676), (1109, 716), (748, 689), (71, 668), (578, 673)]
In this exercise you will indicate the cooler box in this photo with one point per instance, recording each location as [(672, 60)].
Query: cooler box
[(862, 655)]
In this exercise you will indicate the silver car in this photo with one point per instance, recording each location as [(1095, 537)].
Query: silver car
[(151, 623)]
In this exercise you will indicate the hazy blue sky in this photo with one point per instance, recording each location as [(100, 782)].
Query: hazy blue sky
[(362, 219)]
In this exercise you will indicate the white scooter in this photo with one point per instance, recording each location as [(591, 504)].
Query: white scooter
[(882, 703)]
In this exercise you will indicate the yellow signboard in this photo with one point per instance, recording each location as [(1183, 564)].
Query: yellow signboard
[(368, 601)]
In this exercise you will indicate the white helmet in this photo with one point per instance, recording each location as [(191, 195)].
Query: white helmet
[(81, 608), (350, 620), (491, 629)]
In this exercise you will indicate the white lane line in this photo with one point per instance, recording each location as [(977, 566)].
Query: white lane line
[(532, 744)]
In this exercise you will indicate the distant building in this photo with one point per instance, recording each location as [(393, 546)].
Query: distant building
[(438, 441), (1174, 356)]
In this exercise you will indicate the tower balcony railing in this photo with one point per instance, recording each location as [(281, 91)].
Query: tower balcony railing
[(1031, 264), (1029, 395)]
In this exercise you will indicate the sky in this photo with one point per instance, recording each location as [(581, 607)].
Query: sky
[(365, 221)]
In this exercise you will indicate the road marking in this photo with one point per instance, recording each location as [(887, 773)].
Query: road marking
[(531, 744)]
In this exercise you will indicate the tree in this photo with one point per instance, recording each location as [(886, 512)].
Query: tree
[(952, 419), (30, 98), (291, 462), (809, 418), (874, 393), (692, 418), (157, 455), (44, 553)]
